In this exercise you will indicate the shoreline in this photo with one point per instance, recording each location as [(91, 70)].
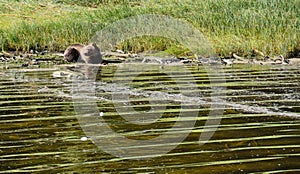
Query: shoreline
[(57, 58)]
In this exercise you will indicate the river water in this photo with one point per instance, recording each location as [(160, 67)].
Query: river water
[(152, 119)]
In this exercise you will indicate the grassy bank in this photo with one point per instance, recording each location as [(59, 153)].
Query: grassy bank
[(230, 25)]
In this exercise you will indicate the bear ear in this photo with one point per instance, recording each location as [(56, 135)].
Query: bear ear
[(94, 44)]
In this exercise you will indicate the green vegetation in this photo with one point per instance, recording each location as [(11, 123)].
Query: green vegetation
[(238, 26)]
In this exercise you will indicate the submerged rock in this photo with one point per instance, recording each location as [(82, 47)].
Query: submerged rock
[(67, 74)]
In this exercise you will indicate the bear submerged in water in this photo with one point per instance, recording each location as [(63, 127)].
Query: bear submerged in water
[(89, 54)]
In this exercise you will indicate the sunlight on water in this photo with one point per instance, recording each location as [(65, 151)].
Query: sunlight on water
[(259, 130)]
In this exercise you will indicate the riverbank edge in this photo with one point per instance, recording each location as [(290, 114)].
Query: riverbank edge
[(36, 58)]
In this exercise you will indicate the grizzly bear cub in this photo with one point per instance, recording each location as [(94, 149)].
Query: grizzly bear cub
[(89, 54)]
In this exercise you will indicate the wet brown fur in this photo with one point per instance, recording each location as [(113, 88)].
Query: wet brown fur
[(83, 53)]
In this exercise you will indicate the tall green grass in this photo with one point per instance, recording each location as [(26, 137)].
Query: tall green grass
[(230, 25)]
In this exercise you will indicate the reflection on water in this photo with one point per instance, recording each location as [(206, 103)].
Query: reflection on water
[(259, 131)]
